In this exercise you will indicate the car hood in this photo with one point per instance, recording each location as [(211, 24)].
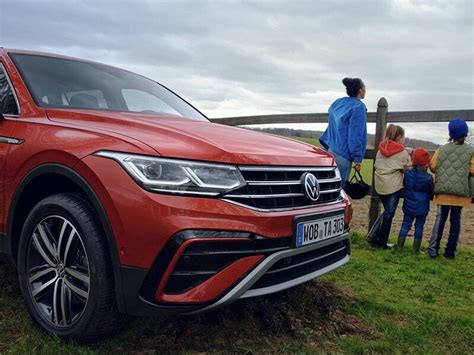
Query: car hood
[(197, 140)]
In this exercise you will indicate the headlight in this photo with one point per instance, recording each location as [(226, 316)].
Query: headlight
[(179, 176)]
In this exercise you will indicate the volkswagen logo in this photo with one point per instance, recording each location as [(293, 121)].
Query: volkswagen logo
[(310, 186)]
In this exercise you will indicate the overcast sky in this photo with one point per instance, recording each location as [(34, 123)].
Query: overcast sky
[(234, 58)]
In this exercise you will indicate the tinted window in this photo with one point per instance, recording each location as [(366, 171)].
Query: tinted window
[(73, 98), (7, 100), (135, 99), (65, 83)]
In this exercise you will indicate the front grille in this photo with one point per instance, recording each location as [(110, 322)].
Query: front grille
[(299, 265), (280, 188)]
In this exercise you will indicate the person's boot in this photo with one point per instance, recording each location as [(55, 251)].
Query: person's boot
[(400, 243), (384, 233), (416, 245), (373, 235), (372, 239)]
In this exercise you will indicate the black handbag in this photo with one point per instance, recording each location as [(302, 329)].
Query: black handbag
[(356, 188)]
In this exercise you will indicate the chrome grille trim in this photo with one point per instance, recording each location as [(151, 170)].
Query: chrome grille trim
[(273, 183), (271, 188), (286, 168), (329, 181), (339, 200), (330, 191), (289, 182), (264, 196)]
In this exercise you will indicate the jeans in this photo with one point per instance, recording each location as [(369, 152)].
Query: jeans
[(390, 203), (407, 222), (344, 165), (438, 227)]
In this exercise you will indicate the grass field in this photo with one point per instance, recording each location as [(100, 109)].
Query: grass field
[(379, 302), (418, 304)]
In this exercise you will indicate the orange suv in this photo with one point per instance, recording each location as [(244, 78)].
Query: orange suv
[(118, 196)]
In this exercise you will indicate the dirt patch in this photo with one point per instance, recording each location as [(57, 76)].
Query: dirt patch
[(360, 222), (311, 311)]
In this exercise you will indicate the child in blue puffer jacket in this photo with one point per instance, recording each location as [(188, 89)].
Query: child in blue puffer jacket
[(417, 193)]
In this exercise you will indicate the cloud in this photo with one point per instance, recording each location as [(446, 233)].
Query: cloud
[(232, 58)]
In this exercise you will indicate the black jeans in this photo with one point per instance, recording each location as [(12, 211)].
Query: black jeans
[(438, 227), (390, 203)]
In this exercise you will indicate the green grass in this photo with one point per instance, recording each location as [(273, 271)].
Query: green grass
[(398, 303), (420, 305)]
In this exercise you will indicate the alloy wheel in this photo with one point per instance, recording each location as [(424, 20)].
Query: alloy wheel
[(58, 271)]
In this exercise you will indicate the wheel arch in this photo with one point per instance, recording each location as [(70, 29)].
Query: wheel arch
[(47, 180)]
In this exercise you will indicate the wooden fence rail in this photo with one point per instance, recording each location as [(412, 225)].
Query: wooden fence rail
[(381, 117), (393, 117)]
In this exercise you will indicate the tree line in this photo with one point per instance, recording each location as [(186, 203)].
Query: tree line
[(409, 142)]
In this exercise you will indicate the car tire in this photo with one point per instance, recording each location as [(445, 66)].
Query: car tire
[(65, 270)]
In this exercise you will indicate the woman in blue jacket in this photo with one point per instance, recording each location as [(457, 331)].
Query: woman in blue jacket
[(346, 135)]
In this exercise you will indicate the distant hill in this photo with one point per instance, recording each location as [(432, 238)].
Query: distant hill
[(409, 142)]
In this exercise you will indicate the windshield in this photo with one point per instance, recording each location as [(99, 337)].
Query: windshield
[(65, 83)]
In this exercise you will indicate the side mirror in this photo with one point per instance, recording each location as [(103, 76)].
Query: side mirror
[(1, 116)]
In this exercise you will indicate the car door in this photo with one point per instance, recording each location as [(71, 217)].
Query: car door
[(9, 113)]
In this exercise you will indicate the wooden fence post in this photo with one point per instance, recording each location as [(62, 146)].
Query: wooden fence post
[(380, 125)]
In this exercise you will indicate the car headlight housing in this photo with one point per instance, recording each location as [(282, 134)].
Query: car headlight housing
[(177, 176)]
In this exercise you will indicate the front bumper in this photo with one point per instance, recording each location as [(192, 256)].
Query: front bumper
[(279, 267), (153, 231), (144, 222)]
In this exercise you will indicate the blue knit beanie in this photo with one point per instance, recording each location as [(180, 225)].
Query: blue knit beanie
[(457, 128)]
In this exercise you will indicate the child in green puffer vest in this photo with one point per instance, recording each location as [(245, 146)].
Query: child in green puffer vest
[(453, 165)]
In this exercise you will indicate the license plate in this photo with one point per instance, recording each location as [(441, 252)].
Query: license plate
[(312, 229)]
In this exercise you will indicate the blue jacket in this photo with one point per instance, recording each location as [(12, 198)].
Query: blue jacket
[(417, 192), (346, 134)]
